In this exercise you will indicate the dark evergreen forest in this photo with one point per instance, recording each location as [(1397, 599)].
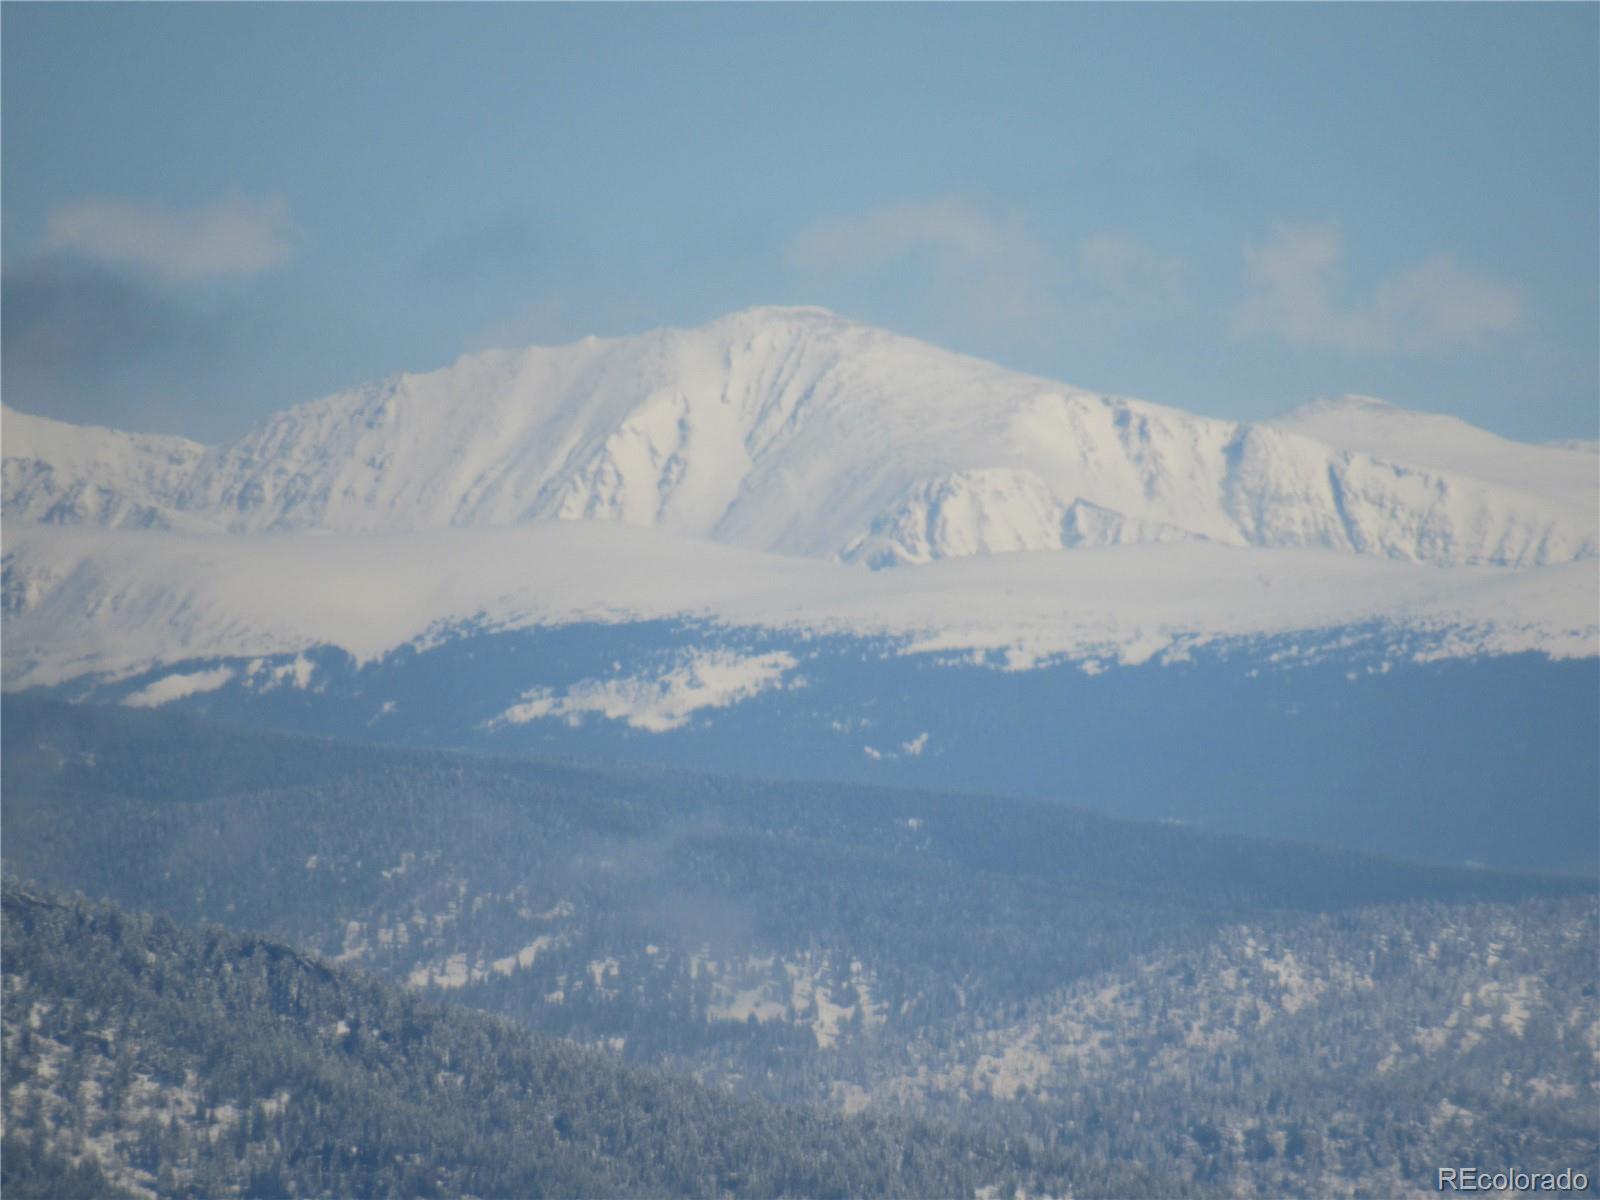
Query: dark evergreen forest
[(737, 982)]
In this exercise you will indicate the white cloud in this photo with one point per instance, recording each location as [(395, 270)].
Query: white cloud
[(233, 237), (1295, 291), (1437, 303)]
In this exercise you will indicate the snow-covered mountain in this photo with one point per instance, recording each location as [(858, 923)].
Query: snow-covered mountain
[(743, 474), (1355, 623), (796, 432), (79, 602), (61, 474)]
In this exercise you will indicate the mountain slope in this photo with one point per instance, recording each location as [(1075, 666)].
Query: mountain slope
[(1366, 425), (62, 474), (534, 873), (796, 432), (85, 602), (1236, 1017), (194, 1062)]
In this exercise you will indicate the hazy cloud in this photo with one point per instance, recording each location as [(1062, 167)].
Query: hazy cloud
[(1129, 269), (953, 230), (82, 342), (1437, 303), (61, 315), (983, 270), (1295, 291), (233, 237), (506, 245), (973, 268), (995, 270)]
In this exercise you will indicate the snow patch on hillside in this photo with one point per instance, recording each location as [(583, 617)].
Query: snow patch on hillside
[(798, 989), (714, 679), (457, 971), (296, 673), (176, 687)]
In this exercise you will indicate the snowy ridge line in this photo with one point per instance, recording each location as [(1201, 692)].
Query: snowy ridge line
[(84, 602), (737, 431)]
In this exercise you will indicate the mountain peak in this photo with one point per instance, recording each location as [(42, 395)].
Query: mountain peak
[(782, 312), (744, 321), (795, 431), (1346, 402)]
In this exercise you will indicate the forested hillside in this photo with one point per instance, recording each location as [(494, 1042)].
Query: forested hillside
[(200, 1063), (1347, 1055), (1232, 1013)]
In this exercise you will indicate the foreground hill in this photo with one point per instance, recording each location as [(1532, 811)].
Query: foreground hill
[(1345, 1056), (163, 1060), (1262, 1006)]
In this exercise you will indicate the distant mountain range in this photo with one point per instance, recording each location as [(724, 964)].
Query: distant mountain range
[(661, 549), (796, 432), (792, 433)]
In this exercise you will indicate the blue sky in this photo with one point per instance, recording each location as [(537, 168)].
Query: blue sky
[(211, 212)]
